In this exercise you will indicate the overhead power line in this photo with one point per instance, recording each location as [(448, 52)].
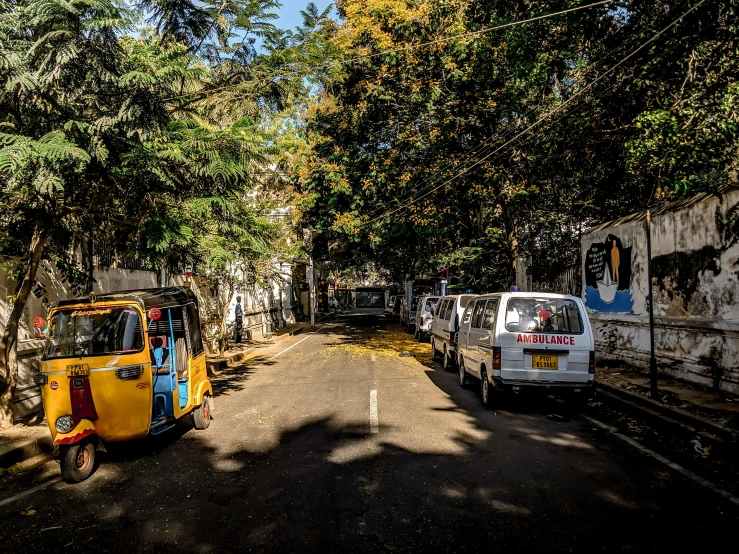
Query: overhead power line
[(398, 50), (543, 118), (431, 180)]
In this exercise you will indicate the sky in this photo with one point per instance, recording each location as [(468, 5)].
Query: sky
[(290, 12)]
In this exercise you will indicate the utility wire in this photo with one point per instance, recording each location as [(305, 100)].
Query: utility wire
[(432, 179), (543, 118), (404, 48), (429, 181)]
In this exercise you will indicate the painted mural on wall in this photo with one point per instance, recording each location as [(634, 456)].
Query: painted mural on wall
[(608, 276)]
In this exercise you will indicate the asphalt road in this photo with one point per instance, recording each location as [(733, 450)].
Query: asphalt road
[(292, 463)]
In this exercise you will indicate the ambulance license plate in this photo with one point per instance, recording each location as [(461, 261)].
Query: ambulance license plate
[(544, 361), (78, 370)]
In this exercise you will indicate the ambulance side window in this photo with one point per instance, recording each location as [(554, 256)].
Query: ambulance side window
[(490, 313), (467, 314), (477, 315)]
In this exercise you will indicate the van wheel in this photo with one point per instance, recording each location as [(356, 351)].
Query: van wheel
[(434, 352), (201, 415), (485, 390), (77, 461), (463, 378), (447, 361)]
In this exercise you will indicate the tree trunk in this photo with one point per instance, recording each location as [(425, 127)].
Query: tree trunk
[(9, 343), (512, 241), (87, 256)]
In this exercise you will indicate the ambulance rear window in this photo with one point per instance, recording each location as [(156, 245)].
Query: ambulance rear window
[(543, 315)]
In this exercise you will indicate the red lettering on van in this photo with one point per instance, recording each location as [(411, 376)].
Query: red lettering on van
[(545, 339)]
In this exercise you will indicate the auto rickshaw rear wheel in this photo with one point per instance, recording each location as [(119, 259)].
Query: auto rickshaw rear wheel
[(77, 461), (201, 415)]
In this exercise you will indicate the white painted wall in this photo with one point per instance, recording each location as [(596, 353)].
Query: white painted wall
[(696, 326), (28, 400)]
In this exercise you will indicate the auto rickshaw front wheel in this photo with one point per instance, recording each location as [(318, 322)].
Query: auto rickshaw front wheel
[(77, 461), (201, 415)]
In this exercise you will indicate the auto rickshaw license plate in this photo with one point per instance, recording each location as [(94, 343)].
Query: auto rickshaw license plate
[(78, 370), (544, 361)]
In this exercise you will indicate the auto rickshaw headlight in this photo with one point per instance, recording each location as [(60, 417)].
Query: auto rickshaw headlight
[(64, 424)]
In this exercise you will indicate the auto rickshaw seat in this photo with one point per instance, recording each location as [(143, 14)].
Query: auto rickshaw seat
[(164, 368)]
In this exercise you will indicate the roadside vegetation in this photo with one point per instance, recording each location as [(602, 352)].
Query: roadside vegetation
[(159, 135), (445, 140)]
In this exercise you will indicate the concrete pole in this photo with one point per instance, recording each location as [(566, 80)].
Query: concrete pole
[(653, 392), (312, 294)]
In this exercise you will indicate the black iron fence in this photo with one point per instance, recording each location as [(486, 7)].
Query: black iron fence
[(107, 256)]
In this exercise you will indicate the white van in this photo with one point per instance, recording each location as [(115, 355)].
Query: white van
[(527, 340), (408, 313), (425, 316), (445, 325)]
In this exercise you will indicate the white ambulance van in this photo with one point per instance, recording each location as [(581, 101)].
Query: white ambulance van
[(527, 341)]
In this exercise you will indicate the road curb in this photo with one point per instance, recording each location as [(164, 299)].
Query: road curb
[(215, 367), (24, 451), (650, 409), (286, 336)]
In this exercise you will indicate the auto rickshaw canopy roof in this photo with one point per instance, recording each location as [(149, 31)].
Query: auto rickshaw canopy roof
[(165, 297)]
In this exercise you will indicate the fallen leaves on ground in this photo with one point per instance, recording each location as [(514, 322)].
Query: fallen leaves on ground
[(386, 343)]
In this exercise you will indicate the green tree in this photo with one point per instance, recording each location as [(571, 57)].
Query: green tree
[(107, 137), (411, 165)]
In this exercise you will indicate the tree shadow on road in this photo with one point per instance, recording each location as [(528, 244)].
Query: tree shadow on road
[(329, 486), (446, 476), (233, 379)]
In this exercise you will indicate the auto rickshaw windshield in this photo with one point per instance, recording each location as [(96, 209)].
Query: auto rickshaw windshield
[(94, 331)]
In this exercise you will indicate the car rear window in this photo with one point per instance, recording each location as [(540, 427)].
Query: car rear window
[(543, 315)]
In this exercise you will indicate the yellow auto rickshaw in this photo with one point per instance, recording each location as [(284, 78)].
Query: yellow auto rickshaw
[(118, 367)]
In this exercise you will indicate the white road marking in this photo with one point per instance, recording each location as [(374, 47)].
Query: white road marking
[(29, 491), (281, 352), (374, 418), (672, 465)]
